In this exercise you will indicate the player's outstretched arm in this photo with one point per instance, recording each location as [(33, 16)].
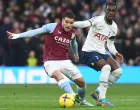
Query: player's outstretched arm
[(30, 33), (48, 28), (86, 23), (82, 24)]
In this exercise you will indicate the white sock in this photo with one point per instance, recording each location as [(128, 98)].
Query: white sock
[(81, 92), (105, 72), (102, 90)]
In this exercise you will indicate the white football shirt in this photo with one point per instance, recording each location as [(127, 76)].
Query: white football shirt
[(98, 34)]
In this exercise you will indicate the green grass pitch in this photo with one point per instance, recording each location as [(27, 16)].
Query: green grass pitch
[(45, 97)]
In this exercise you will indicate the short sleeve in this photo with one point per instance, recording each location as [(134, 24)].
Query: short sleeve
[(93, 20)]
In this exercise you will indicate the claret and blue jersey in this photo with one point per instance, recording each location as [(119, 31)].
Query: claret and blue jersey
[(57, 42)]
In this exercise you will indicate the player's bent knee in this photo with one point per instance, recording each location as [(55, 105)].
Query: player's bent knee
[(106, 68), (80, 82), (57, 75), (117, 72)]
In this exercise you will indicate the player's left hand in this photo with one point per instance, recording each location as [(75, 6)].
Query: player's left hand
[(76, 59), (119, 57)]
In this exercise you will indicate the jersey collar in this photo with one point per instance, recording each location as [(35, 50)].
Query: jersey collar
[(108, 22)]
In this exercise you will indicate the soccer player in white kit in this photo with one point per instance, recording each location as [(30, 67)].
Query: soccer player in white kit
[(102, 30)]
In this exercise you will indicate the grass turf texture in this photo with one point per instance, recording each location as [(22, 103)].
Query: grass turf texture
[(45, 97)]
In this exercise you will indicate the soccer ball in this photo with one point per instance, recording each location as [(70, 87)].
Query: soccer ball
[(66, 100)]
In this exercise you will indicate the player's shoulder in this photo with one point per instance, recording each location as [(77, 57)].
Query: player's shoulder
[(115, 25), (97, 18), (101, 17), (49, 27)]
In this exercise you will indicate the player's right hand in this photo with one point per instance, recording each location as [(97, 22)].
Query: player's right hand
[(12, 35)]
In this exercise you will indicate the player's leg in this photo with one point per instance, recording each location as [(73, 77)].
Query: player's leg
[(103, 79), (63, 84), (116, 71), (81, 89), (52, 69), (96, 61), (100, 93), (74, 74), (71, 71)]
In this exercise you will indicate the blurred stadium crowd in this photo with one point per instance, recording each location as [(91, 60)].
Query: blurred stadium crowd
[(22, 15)]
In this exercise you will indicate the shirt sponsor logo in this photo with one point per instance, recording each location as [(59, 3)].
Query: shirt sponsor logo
[(101, 37), (62, 40)]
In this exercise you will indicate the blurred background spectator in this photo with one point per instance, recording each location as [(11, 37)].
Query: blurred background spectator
[(22, 15), (32, 60)]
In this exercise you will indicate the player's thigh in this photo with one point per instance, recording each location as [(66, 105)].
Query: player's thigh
[(112, 62), (70, 70), (100, 64), (93, 59), (50, 67)]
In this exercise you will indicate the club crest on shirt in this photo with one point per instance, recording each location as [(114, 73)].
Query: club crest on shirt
[(100, 28), (73, 35)]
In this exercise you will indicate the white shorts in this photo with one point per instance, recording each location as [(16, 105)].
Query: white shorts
[(65, 66)]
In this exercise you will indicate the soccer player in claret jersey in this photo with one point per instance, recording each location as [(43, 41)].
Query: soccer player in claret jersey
[(55, 56), (102, 29)]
